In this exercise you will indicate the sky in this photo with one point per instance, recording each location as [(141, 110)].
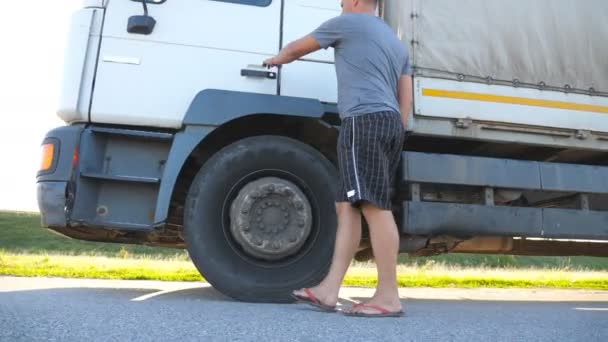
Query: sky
[(32, 34)]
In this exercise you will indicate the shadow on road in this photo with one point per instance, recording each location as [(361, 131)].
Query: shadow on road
[(205, 293), (199, 293)]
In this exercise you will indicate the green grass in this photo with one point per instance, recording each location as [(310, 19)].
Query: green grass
[(98, 267), (21, 233), (28, 250), (511, 261), (175, 269)]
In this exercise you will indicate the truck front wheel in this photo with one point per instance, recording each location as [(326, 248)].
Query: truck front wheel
[(260, 218)]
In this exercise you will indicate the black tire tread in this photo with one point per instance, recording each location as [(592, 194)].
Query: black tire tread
[(279, 147)]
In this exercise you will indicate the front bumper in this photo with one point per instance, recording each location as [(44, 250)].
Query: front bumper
[(53, 185), (52, 201)]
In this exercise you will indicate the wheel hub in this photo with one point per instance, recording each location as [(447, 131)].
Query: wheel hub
[(271, 218)]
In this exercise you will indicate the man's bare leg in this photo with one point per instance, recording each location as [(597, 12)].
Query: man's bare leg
[(348, 237), (385, 244)]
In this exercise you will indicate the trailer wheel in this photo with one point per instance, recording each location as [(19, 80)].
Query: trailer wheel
[(260, 218)]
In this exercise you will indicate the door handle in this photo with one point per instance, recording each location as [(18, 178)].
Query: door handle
[(259, 73)]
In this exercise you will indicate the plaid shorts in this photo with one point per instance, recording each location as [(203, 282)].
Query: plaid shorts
[(369, 151)]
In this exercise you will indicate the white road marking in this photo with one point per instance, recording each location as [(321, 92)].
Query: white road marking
[(151, 295)]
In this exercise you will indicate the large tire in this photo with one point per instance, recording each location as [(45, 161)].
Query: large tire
[(215, 251)]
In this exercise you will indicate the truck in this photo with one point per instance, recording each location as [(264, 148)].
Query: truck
[(176, 136)]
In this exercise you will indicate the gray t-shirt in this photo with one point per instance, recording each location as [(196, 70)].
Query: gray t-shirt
[(370, 59)]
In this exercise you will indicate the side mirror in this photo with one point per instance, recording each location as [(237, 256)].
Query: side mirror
[(141, 24)]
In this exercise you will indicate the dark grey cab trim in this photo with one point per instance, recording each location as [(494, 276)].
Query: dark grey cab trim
[(502, 173), (574, 178), (213, 107), (67, 139), (466, 170), (52, 185), (208, 110), (51, 202), (183, 145), (467, 220)]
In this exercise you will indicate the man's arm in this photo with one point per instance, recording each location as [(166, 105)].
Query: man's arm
[(293, 51), (326, 35), (405, 97)]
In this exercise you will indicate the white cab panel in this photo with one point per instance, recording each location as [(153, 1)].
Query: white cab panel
[(303, 78), (304, 16), (150, 80), (509, 105), (310, 80), (79, 65), (158, 91), (202, 23), (94, 3)]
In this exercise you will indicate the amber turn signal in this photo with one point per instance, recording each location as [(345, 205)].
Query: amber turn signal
[(48, 151)]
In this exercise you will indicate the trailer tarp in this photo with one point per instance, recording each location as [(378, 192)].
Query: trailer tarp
[(546, 43)]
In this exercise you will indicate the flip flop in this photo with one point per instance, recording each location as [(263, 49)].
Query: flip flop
[(311, 300), (382, 312)]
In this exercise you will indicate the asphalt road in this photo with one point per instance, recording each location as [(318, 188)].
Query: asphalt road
[(93, 310)]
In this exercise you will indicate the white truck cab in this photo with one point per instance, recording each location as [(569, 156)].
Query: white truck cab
[(194, 45), (176, 136)]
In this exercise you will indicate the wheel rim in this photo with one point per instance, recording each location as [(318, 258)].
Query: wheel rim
[(306, 243), (271, 218)]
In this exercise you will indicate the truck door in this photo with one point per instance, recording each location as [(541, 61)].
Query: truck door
[(150, 80), (314, 75)]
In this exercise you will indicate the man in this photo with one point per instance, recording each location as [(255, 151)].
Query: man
[(374, 99)]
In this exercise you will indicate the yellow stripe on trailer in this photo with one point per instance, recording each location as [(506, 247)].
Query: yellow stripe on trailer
[(463, 95)]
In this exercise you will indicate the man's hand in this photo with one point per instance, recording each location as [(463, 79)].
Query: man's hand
[(293, 51), (271, 62)]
